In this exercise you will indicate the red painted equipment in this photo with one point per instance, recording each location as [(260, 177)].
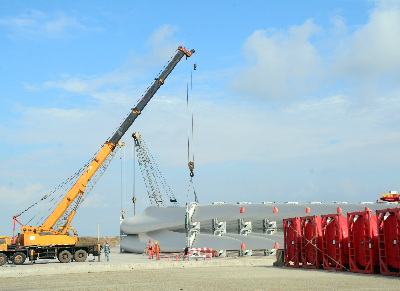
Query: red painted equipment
[(388, 239), (363, 241), (275, 210), (241, 209), (311, 241), (242, 247), (335, 250), (392, 196), (197, 253), (291, 232)]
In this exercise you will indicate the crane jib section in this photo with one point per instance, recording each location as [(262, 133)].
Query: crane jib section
[(79, 187), (149, 94)]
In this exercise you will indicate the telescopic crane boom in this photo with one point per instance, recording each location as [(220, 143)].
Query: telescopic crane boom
[(45, 233)]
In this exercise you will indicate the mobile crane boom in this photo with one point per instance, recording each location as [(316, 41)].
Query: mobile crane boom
[(45, 233)]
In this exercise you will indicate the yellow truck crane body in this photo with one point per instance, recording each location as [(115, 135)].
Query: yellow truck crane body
[(46, 242), (44, 234)]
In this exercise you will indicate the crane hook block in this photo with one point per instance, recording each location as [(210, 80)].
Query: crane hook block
[(191, 168)]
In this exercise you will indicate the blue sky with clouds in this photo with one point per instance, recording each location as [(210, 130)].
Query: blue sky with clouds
[(292, 100)]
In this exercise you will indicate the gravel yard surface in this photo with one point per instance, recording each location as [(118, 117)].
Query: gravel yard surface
[(211, 278), (136, 272)]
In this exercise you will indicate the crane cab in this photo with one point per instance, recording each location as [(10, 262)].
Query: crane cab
[(3, 243)]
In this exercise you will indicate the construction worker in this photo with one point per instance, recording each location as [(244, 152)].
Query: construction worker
[(157, 249), (107, 251), (150, 247)]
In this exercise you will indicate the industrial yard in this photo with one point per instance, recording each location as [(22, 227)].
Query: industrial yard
[(292, 107), (133, 271)]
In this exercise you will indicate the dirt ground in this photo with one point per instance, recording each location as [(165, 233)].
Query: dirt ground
[(213, 278)]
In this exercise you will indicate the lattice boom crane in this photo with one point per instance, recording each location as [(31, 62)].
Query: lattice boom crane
[(50, 232)]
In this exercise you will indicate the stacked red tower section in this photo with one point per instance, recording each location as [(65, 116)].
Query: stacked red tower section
[(363, 241), (388, 239), (335, 251), (291, 230), (311, 242)]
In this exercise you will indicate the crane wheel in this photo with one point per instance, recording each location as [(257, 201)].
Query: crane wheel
[(65, 256), (80, 256), (18, 258), (3, 259)]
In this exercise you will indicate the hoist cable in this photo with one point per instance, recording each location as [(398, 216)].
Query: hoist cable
[(134, 166), (187, 109), (191, 92)]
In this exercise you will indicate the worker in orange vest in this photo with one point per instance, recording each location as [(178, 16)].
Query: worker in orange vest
[(157, 249), (150, 247)]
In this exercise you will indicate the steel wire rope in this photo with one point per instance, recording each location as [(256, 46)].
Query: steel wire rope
[(121, 178), (134, 166), (190, 128), (69, 180), (47, 195), (162, 180), (148, 174), (66, 187), (78, 202)]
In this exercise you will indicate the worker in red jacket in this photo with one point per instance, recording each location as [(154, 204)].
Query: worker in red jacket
[(150, 247), (157, 249)]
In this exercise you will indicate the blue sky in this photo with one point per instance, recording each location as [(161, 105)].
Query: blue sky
[(292, 100)]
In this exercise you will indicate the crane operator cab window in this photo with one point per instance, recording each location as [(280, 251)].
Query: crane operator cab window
[(3, 243), (70, 233)]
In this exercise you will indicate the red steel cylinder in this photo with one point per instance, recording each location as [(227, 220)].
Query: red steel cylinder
[(311, 241), (363, 241), (388, 239), (335, 248), (291, 231)]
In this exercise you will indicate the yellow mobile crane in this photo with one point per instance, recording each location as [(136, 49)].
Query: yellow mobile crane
[(48, 241)]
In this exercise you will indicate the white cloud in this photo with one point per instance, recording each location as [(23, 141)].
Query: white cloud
[(35, 24), (339, 25), (72, 85), (15, 196), (161, 35), (282, 64), (372, 51), (94, 200), (116, 86), (30, 87)]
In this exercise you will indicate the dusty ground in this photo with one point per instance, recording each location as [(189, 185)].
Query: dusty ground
[(222, 278), (136, 272)]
